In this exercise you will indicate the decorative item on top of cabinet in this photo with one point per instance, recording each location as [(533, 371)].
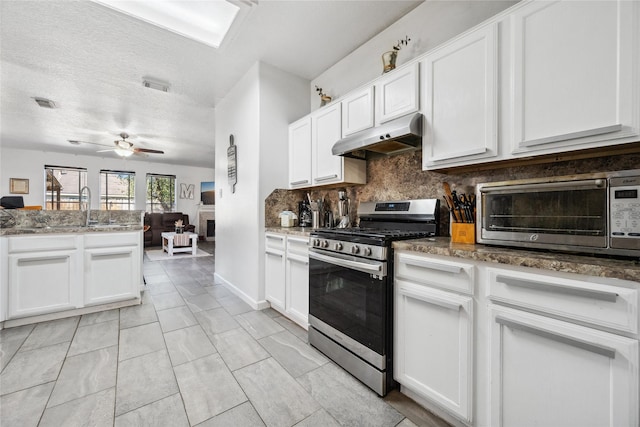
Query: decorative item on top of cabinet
[(389, 58), (324, 98)]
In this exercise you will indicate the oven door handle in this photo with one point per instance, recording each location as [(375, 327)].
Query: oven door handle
[(376, 268)]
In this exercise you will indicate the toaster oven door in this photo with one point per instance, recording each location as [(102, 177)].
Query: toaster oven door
[(563, 214)]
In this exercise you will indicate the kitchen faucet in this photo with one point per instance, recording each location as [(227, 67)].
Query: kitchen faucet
[(88, 202)]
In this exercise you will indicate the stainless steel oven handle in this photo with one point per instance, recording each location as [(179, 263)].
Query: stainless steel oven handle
[(355, 265)]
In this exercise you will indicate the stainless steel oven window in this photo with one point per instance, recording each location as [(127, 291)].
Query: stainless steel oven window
[(350, 300)]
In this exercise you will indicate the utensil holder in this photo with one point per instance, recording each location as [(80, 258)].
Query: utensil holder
[(463, 232)]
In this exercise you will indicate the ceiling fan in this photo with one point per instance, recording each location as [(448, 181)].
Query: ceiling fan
[(123, 148)]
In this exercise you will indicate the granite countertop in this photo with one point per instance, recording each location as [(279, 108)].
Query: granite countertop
[(627, 269), (294, 231), (66, 229)]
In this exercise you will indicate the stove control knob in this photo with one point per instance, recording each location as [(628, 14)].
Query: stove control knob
[(337, 246), (324, 244), (367, 251), (316, 242), (355, 249)]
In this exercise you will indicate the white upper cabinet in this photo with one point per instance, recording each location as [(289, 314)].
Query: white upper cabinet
[(357, 111), (575, 75), (460, 100), (300, 153), (397, 93), (326, 130)]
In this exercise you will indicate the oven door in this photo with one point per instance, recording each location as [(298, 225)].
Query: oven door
[(352, 296)]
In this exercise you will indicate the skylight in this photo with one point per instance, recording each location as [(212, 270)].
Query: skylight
[(206, 21)]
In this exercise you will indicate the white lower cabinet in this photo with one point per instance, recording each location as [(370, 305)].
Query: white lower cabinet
[(287, 276), (274, 270), (546, 372), (297, 285), (43, 275), (111, 267), (433, 332), (565, 350), (487, 345), (53, 273)]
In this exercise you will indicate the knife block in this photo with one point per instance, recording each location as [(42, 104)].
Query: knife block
[(463, 232)]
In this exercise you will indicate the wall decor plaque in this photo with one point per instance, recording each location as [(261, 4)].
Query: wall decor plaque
[(19, 186), (232, 172)]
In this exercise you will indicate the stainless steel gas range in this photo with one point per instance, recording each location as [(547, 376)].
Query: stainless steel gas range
[(351, 286)]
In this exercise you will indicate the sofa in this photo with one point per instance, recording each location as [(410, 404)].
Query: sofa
[(159, 223)]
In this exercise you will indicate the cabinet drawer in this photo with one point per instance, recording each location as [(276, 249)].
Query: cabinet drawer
[(42, 243), (275, 241), (298, 246), (590, 300), (104, 240), (445, 274)]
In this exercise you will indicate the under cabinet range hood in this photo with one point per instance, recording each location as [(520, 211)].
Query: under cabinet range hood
[(398, 135)]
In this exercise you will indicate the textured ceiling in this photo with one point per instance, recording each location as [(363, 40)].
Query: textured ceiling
[(91, 61)]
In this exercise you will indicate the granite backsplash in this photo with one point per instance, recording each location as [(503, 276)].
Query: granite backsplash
[(401, 177)]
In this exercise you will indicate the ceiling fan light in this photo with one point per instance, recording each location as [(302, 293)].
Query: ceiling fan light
[(123, 153)]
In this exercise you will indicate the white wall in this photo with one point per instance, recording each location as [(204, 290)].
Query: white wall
[(15, 163), (428, 25), (257, 112)]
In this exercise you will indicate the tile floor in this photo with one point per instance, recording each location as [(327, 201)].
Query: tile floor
[(191, 354)]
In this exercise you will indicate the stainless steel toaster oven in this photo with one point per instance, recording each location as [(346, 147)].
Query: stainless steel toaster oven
[(592, 213)]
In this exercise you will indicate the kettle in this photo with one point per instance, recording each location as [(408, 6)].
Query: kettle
[(287, 219)]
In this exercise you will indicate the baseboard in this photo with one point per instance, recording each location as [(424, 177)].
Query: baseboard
[(256, 305)]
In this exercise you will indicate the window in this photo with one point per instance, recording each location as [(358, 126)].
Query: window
[(62, 187), (161, 193), (117, 190)]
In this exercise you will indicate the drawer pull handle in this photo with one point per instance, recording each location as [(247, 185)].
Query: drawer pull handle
[(431, 299), (326, 178), (274, 252), (575, 342), (561, 289), (304, 181), (433, 266), (43, 259)]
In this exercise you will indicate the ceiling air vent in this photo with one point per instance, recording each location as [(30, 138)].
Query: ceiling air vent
[(45, 103)]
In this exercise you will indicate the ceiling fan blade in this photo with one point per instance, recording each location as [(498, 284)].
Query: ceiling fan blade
[(78, 142), (147, 150)]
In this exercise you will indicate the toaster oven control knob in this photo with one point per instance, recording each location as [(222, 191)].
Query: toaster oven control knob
[(355, 249), (337, 246), (324, 244), (367, 251)]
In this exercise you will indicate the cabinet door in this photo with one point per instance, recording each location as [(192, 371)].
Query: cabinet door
[(298, 289), (274, 270), (397, 93), (43, 282), (300, 153), (357, 111), (575, 80), (460, 93), (433, 353), (111, 274), (326, 130), (545, 372)]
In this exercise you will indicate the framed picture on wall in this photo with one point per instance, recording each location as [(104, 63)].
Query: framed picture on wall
[(18, 186), (208, 193)]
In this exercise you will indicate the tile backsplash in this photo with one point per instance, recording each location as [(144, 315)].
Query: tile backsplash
[(401, 177)]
